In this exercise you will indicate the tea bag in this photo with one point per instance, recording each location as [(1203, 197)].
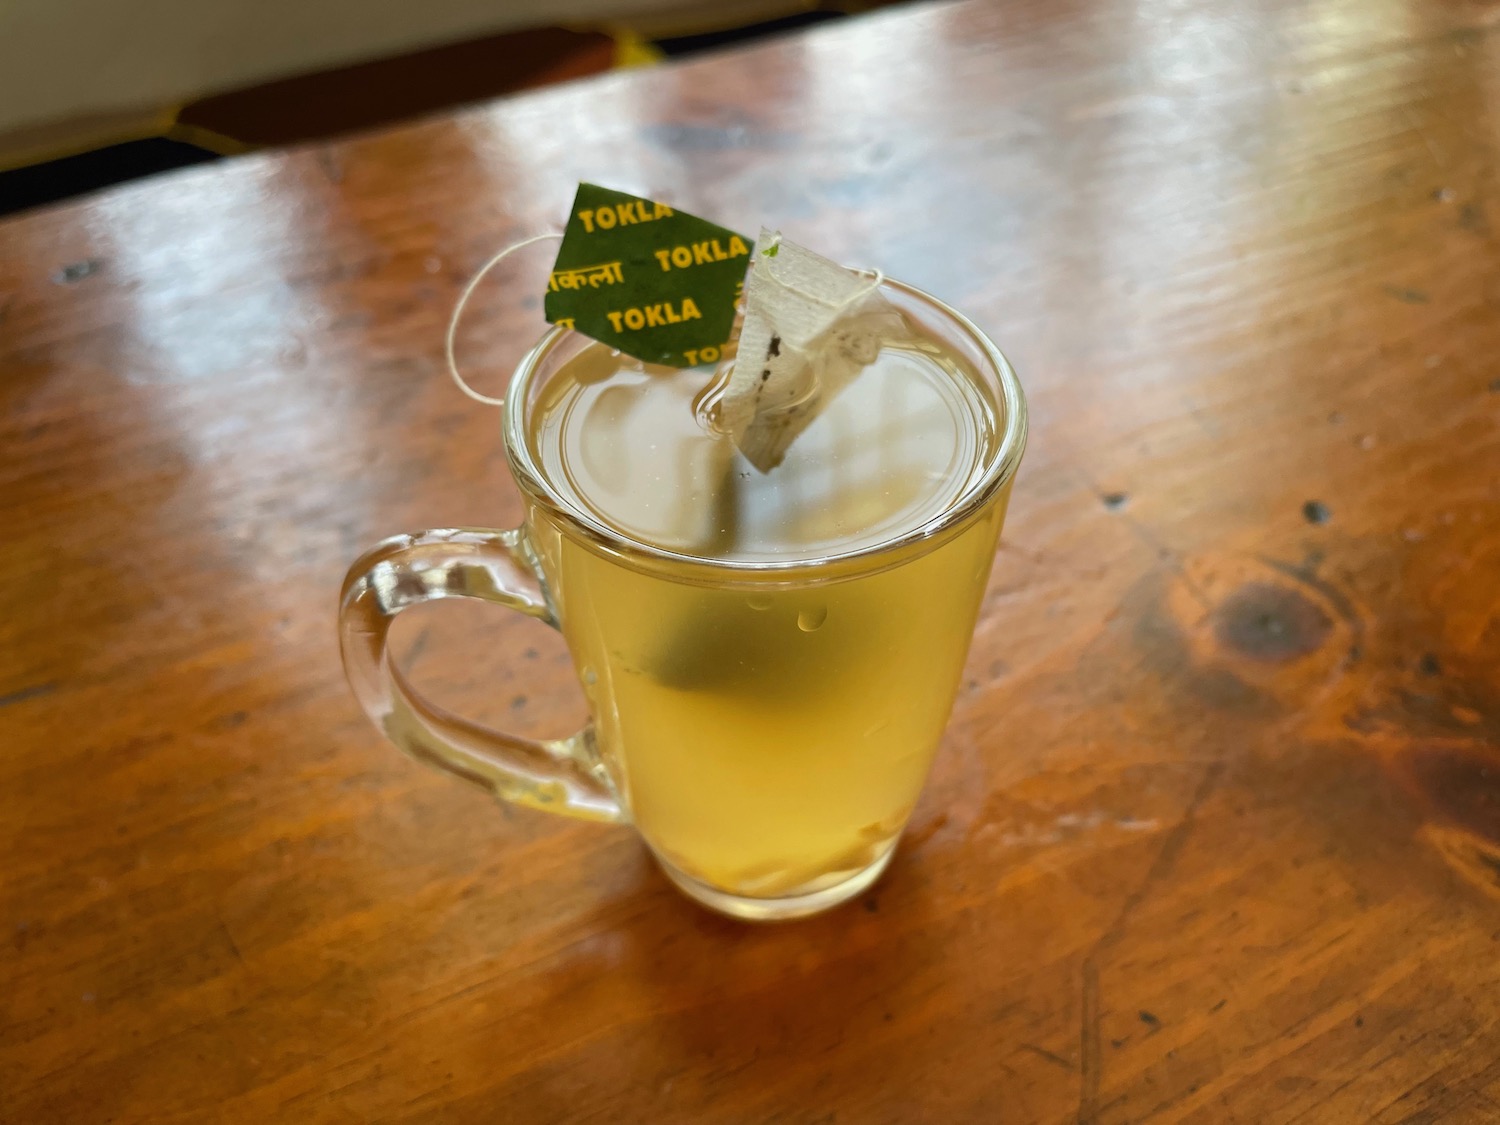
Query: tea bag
[(810, 327)]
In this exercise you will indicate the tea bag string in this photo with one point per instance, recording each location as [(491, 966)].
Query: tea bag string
[(463, 300)]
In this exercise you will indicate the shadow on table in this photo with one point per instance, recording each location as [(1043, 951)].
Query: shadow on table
[(699, 1017)]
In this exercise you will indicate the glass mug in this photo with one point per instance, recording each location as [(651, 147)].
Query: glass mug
[(771, 764)]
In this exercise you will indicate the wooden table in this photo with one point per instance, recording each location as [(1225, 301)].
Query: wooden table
[(1215, 833)]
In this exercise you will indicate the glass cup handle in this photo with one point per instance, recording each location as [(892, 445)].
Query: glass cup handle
[(562, 775)]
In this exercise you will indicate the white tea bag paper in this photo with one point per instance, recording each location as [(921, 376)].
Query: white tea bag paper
[(810, 327)]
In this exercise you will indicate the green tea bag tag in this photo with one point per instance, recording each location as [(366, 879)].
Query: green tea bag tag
[(657, 283)]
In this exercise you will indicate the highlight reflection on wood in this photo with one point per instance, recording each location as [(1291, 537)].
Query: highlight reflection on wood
[(1215, 832)]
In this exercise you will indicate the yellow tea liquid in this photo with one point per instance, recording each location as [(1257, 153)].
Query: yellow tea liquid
[(768, 730)]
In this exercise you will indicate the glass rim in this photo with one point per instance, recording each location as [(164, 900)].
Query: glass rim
[(1002, 467)]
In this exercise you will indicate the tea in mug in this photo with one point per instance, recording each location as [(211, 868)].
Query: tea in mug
[(771, 731)]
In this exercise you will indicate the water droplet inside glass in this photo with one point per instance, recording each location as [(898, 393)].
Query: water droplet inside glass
[(759, 601), (810, 619)]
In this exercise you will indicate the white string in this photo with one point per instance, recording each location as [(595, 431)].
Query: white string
[(463, 299)]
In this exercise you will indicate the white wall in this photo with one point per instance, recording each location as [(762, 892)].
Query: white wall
[(67, 61)]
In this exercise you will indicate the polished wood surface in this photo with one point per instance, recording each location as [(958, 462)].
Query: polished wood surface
[(1215, 832)]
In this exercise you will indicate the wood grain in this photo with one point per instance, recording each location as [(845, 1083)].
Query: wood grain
[(1215, 833)]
